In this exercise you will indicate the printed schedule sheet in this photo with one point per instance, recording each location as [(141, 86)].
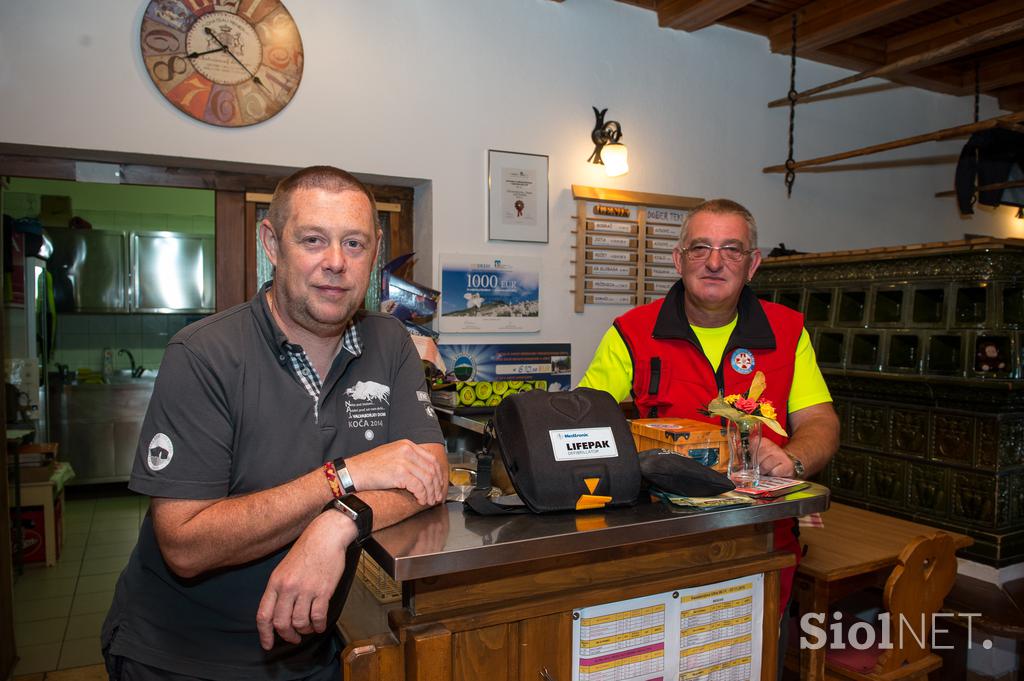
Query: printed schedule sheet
[(702, 633), (720, 630)]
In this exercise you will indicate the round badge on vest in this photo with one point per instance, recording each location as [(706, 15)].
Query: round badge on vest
[(742, 361)]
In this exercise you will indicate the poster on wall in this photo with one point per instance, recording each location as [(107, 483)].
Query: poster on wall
[(517, 196), (485, 294), (549, 362)]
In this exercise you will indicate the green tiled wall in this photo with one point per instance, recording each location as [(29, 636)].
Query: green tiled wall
[(81, 338)]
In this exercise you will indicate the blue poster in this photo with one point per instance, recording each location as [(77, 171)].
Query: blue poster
[(512, 361), (485, 294)]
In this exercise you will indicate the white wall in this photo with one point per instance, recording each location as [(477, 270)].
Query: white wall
[(422, 88)]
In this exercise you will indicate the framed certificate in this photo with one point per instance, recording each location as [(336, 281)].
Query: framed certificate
[(517, 196)]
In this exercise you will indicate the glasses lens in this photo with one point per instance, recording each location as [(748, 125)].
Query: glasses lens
[(703, 252), (700, 252), (731, 253)]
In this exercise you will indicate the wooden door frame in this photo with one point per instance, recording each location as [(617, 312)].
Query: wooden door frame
[(235, 243), (235, 231)]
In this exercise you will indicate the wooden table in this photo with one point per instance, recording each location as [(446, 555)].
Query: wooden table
[(853, 549)]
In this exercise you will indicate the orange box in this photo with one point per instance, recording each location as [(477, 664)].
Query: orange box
[(701, 441)]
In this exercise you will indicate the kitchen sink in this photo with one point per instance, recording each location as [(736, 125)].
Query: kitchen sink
[(123, 376)]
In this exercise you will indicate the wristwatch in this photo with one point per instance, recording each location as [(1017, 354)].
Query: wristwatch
[(343, 476), (798, 466), (359, 511)]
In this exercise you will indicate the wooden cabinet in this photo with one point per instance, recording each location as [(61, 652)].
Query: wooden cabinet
[(494, 598)]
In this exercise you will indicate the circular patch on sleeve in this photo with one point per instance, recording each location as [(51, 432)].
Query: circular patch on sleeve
[(742, 361), (161, 451)]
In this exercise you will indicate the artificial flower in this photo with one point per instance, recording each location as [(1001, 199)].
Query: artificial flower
[(745, 404), (747, 407)]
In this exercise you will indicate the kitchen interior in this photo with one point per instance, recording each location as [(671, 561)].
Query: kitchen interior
[(100, 300)]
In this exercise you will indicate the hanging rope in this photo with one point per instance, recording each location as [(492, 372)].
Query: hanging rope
[(977, 152), (977, 90), (792, 96)]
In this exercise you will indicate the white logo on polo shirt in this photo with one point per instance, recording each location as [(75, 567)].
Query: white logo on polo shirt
[(161, 451), (366, 407), (369, 391)]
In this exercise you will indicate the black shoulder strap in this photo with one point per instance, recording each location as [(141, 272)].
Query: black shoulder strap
[(654, 384), (478, 500)]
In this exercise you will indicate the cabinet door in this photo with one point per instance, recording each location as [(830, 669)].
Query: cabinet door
[(545, 643), (89, 270), (172, 272)]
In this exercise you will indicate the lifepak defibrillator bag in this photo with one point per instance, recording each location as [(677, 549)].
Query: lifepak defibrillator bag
[(563, 451)]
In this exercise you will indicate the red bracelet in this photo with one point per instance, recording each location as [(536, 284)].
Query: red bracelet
[(332, 480)]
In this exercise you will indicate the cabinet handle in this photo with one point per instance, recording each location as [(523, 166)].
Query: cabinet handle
[(546, 675)]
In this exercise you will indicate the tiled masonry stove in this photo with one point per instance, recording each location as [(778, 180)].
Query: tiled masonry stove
[(921, 349)]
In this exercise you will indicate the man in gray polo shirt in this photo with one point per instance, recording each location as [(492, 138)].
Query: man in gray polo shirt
[(262, 416)]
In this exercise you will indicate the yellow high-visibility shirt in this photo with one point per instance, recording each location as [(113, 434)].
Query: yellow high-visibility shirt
[(611, 369)]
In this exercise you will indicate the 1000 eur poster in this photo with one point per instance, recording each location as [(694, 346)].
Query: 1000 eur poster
[(485, 294)]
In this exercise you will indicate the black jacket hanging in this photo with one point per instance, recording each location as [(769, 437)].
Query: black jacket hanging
[(1000, 158)]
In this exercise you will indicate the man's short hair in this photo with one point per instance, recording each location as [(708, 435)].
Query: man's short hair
[(327, 178), (720, 207)]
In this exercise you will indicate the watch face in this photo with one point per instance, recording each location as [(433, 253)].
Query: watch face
[(224, 62)]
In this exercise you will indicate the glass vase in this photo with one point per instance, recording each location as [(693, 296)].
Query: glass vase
[(744, 441)]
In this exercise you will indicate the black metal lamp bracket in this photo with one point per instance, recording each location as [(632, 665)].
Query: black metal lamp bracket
[(603, 133)]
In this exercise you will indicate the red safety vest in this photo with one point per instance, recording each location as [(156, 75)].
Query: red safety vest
[(673, 377)]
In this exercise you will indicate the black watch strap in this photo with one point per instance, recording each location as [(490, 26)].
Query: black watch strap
[(343, 476), (360, 513)]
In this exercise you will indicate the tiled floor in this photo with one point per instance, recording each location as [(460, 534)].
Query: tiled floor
[(58, 611)]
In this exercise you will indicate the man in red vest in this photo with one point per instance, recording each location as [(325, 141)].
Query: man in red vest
[(708, 337)]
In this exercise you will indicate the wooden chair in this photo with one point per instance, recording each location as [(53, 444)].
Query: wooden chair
[(914, 591)]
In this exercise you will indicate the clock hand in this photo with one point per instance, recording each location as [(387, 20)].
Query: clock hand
[(194, 55), (255, 78)]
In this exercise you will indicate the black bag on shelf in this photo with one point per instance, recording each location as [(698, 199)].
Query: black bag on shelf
[(563, 451)]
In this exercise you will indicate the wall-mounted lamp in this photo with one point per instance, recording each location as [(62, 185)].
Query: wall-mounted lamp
[(608, 151)]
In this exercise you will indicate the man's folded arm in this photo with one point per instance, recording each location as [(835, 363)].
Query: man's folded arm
[(196, 536)]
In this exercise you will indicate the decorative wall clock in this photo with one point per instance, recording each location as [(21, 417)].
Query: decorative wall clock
[(224, 62)]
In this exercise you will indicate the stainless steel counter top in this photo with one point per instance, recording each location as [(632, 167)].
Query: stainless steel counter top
[(445, 539)]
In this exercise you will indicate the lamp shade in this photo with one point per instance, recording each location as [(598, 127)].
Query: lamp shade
[(615, 157)]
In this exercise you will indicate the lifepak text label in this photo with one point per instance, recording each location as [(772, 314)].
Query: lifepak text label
[(577, 444)]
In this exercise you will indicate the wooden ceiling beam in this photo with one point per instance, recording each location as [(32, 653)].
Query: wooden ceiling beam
[(827, 22), (862, 53), (693, 15), (917, 61), (745, 21), (958, 27), (998, 70), (1010, 98)]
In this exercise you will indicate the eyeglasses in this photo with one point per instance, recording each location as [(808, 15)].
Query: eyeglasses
[(702, 252)]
